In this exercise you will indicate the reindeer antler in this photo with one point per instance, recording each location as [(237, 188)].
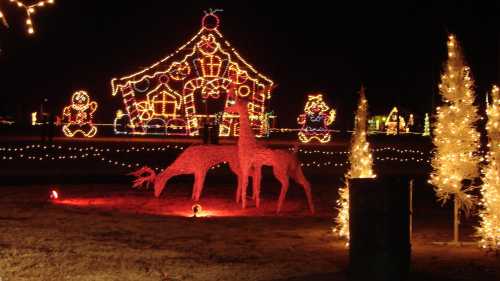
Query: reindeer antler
[(144, 176)]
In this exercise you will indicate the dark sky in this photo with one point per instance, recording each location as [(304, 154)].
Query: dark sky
[(396, 51)]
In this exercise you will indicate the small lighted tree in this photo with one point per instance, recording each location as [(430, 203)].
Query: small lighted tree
[(361, 163), (489, 230), (455, 137), (427, 126)]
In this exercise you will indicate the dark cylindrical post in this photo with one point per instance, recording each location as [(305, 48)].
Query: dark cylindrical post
[(205, 133), (379, 246), (214, 135)]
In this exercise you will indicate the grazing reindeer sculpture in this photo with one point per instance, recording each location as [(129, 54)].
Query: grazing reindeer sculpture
[(197, 160), (252, 156)]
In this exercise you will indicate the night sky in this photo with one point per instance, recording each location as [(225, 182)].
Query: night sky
[(396, 51)]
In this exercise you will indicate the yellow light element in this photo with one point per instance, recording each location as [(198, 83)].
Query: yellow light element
[(361, 165), (33, 118), (3, 19), (29, 10), (206, 64), (315, 111), (78, 116)]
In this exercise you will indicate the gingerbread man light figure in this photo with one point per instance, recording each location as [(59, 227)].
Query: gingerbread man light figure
[(315, 120), (77, 117)]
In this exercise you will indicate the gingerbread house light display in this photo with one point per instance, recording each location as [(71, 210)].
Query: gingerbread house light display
[(193, 85)]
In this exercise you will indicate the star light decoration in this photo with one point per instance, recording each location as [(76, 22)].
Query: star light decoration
[(361, 165), (489, 230), (29, 9)]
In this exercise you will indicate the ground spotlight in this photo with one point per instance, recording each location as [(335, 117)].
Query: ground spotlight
[(196, 210), (54, 195)]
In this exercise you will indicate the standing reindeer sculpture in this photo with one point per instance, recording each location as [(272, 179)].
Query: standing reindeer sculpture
[(253, 156)]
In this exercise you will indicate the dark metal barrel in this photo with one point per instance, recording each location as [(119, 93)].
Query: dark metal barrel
[(379, 246)]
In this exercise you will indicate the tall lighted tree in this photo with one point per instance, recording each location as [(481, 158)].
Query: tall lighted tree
[(455, 137), (489, 230), (361, 163)]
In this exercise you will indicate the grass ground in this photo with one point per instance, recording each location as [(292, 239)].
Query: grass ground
[(111, 232)]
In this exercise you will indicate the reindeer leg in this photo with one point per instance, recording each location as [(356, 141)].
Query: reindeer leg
[(301, 179), (238, 188), (257, 174), (198, 184), (161, 180), (283, 178), (244, 183)]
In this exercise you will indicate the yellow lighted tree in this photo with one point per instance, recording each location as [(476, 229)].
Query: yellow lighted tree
[(489, 230), (361, 163), (455, 139), (427, 127)]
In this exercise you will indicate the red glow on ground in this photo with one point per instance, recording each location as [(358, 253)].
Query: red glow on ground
[(180, 206)]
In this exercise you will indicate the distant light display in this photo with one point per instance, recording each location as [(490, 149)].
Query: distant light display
[(391, 123), (315, 120), (78, 117)]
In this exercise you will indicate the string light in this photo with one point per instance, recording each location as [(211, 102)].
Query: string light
[(315, 120), (455, 137), (361, 163), (78, 116), (489, 229), (30, 10), (164, 93), (104, 155)]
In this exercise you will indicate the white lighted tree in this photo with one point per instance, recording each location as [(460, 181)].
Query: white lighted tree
[(489, 230), (455, 137), (361, 163)]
